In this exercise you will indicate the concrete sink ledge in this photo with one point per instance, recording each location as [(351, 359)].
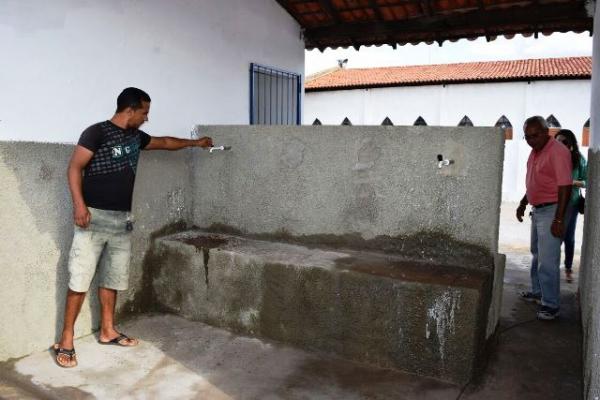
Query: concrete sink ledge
[(380, 309)]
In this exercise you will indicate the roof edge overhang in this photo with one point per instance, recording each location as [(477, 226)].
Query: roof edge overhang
[(447, 82), (489, 21)]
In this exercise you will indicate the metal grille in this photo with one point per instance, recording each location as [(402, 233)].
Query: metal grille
[(274, 96)]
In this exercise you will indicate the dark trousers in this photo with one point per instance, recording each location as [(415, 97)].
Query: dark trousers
[(570, 227)]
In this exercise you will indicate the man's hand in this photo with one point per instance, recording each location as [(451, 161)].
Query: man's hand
[(204, 142), (521, 211), (558, 224), (558, 228), (82, 216), (80, 158)]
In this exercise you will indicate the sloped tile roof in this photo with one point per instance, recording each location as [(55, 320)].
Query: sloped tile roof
[(416, 75)]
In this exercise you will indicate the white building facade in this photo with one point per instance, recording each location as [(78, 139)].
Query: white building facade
[(447, 104), (65, 62)]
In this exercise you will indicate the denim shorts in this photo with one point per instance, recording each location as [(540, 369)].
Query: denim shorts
[(106, 239)]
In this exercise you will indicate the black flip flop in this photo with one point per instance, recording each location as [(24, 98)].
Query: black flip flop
[(116, 341), (67, 352)]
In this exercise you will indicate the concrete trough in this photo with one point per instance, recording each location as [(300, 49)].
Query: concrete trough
[(388, 310), (415, 292)]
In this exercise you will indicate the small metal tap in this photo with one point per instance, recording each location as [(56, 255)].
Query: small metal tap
[(442, 162), (215, 148)]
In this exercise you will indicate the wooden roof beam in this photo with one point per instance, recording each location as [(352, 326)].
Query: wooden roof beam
[(379, 17), (481, 4), (426, 8), (330, 9), (375, 7)]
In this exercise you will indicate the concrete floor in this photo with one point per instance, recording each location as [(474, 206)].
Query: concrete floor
[(179, 359)]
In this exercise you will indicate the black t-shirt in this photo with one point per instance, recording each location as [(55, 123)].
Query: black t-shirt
[(110, 175)]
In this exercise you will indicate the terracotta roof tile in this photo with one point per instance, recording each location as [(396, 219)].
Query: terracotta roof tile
[(490, 71)]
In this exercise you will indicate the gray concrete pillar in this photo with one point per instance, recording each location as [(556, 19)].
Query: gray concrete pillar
[(590, 261)]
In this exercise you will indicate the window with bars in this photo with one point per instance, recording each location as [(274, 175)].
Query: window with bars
[(274, 96)]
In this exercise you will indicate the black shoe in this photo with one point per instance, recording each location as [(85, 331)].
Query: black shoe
[(530, 297), (547, 313)]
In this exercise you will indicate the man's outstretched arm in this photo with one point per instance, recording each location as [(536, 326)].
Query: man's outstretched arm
[(80, 158), (172, 143)]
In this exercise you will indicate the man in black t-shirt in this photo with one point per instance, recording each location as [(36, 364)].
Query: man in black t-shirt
[(101, 179), (109, 176)]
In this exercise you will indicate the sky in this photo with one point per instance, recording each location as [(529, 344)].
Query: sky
[(555, 45)]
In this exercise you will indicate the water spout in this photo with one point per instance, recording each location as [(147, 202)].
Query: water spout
[(215, 148), (443, 162)]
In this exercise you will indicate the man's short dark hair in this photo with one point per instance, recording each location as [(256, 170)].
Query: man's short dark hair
[(536, 120), (131, 97)]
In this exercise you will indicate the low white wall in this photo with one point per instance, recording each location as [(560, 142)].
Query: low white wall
[(445, 105), (64, 62)]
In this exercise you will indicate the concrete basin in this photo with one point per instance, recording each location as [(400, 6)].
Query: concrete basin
[(381, 309)]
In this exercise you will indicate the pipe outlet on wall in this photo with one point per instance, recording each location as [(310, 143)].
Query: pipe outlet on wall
[(443, 162)]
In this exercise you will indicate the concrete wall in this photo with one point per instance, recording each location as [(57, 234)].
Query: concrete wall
[(590, 252), (325, 184), (445, 105), (374, 181), (66, 61), (369, 182), (590, 282), (36, 215)]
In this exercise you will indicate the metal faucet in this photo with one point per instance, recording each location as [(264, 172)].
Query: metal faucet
[(225, 148), (442, 162)]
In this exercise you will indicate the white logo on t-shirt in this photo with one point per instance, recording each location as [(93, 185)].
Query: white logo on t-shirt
[(117, 151)]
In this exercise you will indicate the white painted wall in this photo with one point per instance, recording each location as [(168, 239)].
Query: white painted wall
[(65, 61), (445, 105)]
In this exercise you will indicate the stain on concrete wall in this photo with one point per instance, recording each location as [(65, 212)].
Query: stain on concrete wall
[(441, 318), (292, 155)]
